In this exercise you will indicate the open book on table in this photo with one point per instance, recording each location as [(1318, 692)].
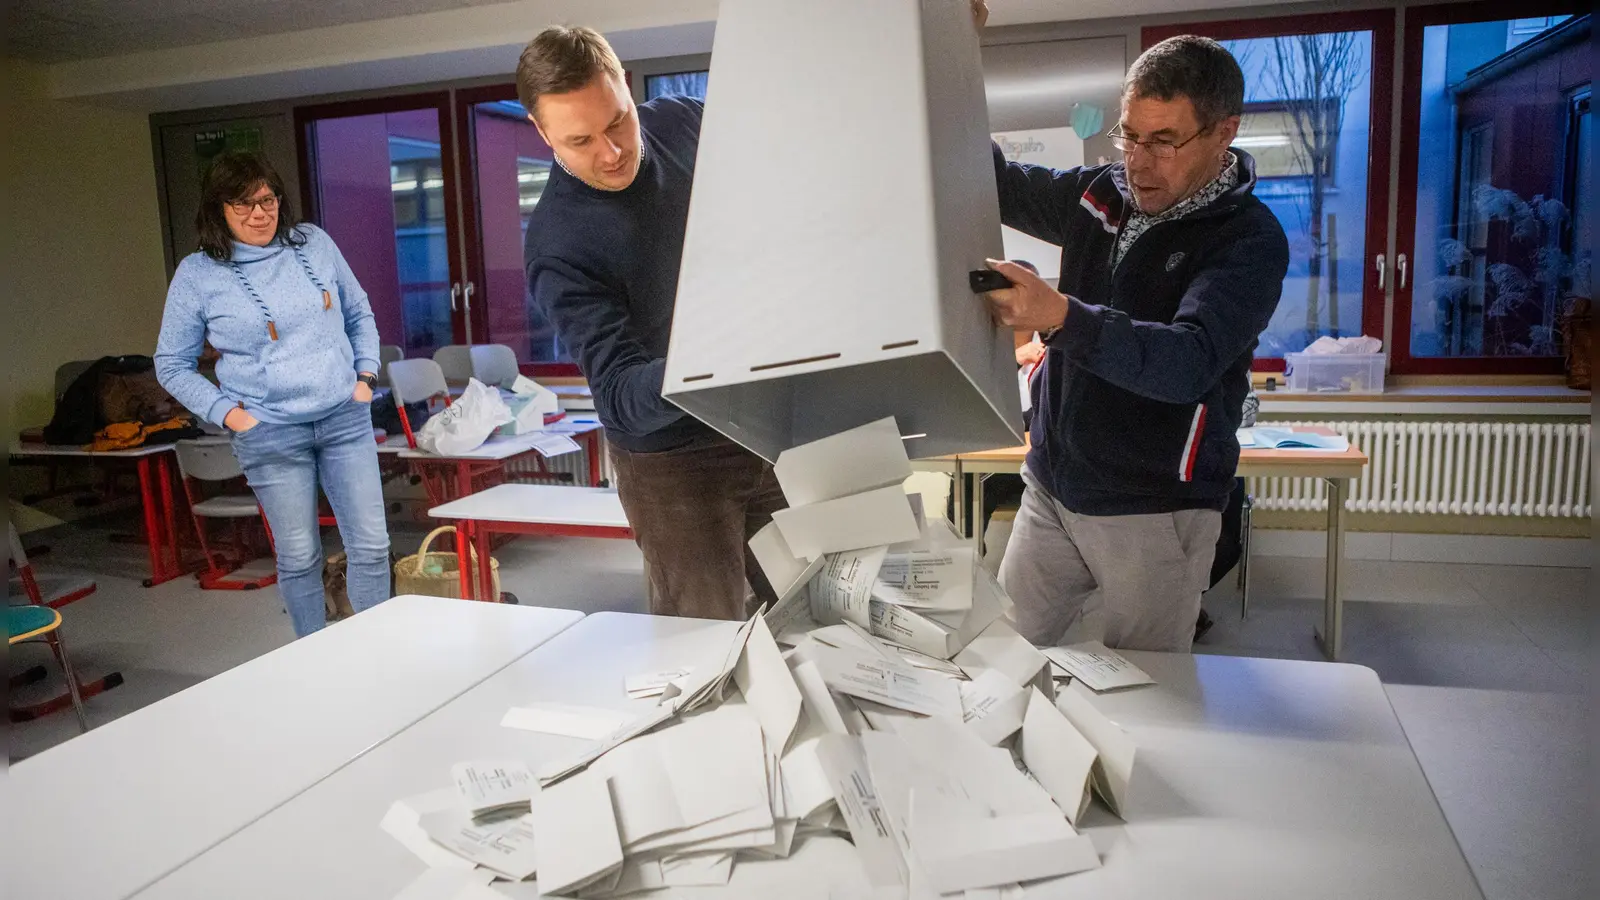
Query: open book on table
[(1267, 438)]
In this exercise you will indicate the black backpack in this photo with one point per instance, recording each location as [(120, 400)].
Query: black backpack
[(77, 416)]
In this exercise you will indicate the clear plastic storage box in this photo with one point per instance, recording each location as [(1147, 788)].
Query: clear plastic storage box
[(1327, 373)]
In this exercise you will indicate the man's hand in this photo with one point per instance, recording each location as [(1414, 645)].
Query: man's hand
[(980, 12), (1029, 304), (363, 394), (238, 421), (1030, 353)]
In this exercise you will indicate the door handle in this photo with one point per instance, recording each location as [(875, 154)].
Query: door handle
[(466, 296), (455, 296), (1383, 272), (1404, 267)]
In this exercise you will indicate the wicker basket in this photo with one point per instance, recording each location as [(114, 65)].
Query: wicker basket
[(410, 577)]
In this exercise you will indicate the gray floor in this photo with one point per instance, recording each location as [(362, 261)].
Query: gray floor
[(1486, 667)]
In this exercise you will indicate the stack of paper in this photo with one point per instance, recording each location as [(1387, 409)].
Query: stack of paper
[(947, 776), (854, 548), (906, 714)]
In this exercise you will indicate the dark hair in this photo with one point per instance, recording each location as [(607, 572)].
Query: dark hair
[(1194, 67), (233, 177), (561, 59)]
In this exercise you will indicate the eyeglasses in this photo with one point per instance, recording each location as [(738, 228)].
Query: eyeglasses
[(1157, 149), (247, 208)]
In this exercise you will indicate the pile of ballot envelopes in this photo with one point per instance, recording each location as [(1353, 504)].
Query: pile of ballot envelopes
[(887, 734)]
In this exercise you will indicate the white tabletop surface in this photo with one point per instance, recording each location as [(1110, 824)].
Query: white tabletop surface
[(1255, 778), (107, 813), (326, 842), (538, 504), (75, 450)]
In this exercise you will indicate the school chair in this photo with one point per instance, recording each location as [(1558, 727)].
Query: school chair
[(414, 380), (494, 364), (213, 461), (455, 361), (36, 618), (388, 353)]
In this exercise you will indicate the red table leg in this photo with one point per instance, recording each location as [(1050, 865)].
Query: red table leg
[(164, 472), (463, 555), (592, 448), (463, 479), (480, 538)]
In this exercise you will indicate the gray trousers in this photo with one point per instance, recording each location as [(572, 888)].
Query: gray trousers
[(1132, 582)]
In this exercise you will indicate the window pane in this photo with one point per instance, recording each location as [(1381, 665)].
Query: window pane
[(513, 165), (1306, 123), (681, 84), (380, 186), (1496, 197)]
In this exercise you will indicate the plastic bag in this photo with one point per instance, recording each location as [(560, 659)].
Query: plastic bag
[(467, 423)]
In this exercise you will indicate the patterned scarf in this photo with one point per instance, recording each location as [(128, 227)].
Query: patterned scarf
[(1138, 223)]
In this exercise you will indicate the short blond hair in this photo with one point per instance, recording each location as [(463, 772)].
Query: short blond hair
[(562, 59)]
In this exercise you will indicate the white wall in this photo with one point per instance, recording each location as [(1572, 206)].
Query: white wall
[(81, 267)]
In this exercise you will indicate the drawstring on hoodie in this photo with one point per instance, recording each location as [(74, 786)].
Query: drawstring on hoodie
[(272, 326)]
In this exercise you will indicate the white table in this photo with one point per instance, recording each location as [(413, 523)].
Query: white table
[(155, 467), (326, 842), (534, 509), (106, 814), (1255, 778)]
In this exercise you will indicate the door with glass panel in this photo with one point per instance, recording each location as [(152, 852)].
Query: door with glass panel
[(380, 180), (1497, 197), (1316, 123), (508, 166)]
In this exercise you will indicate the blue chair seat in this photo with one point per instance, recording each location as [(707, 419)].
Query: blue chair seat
[(29, 620)]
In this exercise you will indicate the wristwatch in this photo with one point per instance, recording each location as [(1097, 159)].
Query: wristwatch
[(368, 379)]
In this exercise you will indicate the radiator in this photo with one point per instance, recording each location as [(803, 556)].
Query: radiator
[(1452, 468), (568, 468)]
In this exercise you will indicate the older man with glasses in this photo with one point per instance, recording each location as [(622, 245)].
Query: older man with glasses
[(1170, 270)]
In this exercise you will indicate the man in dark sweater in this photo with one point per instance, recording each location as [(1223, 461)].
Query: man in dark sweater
[(602, 255), (1170, 270)]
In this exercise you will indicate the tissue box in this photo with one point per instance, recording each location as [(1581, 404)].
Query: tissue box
[(1353, 373), (838, 293)]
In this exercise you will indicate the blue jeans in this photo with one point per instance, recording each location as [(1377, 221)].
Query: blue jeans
[(284, 465)]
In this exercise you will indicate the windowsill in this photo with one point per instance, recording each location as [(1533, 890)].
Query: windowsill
[(1437, 399)]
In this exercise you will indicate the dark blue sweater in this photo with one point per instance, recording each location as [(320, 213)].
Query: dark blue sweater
[(603, 265), (1143, 387)]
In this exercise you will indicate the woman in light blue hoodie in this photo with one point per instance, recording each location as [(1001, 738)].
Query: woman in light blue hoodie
[(299, 358)]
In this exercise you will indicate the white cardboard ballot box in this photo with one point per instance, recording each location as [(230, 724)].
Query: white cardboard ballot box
[(843, 190)]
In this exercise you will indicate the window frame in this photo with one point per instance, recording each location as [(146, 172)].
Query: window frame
[(1417, 20), (1381, 22)]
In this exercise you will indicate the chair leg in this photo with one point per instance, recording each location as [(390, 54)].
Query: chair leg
[(1244, 558), (60, 648)]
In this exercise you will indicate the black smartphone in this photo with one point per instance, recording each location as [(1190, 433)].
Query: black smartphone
[(985, 280)]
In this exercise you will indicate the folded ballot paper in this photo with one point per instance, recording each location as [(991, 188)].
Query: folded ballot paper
[(945, 778)]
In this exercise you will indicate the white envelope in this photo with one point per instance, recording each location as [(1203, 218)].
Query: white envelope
[(870, 519), (1097, 666), (575, 830), (999, 647), (587, 722), (768, 687), (876, 846), (1114, 768), (850, 462), (1061, 759), (993, 706), (403, 823), (959, 851), (927, 580), (842, 590), (787, 572), (889, 682), (506, 847)]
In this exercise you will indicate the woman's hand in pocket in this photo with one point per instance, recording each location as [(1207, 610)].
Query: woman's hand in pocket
[(238, 421), (363, 394)]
